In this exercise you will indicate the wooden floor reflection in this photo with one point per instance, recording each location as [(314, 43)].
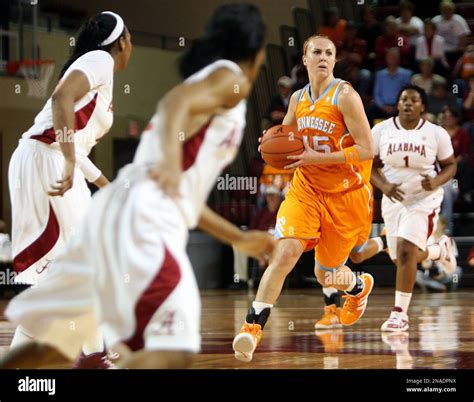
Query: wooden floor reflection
[(441, 333)]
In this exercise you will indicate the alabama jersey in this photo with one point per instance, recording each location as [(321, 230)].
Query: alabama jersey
[(205, 154), (93, 115), (409, 155), (322, 125), (131, 250)]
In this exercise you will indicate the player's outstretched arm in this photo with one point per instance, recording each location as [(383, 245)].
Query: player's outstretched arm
[(223, 89), (255, 243)]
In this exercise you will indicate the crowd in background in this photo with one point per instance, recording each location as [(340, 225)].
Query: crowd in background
[(380, 57)]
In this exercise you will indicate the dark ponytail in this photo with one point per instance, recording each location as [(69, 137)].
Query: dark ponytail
[(91, 34), (235, 32)]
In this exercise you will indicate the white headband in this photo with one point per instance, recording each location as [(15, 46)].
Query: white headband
[(115, 34)]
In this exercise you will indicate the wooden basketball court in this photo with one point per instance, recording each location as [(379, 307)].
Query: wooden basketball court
[(441, 333)]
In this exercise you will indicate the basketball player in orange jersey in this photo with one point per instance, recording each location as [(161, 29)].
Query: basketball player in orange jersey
[(329, 203)]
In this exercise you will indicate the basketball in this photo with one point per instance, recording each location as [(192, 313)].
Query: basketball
[(278, 143)]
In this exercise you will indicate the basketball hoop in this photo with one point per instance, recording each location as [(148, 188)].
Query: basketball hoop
[(37, 73)]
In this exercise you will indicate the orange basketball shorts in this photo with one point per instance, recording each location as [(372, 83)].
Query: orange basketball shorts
[(332, 223)]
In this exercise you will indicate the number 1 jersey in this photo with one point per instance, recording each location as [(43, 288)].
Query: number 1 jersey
[(409, 155)]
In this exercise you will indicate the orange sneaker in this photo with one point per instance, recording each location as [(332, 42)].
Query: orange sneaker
[(354, 306), (330, 318), (246, 341)]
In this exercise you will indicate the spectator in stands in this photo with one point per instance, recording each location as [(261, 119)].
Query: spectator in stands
[(279, 178), (5, 244), (453, 28), (463, 70), (470, 258), (425, 79), (388, 83), (370, 30), (462, 150), (391, 38), (333, 27), (351, 56), (408, 24), (468, 107), (299, 74), (432, 45), (279, 103), (264, 219), (439, 98), (465, 65)]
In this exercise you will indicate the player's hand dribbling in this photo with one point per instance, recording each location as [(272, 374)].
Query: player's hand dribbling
[(428, 183), (168, 176), (66, 181), (391, 190), (257, 244)]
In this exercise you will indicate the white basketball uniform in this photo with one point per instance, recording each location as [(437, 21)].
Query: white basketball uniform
[(407, 155), (41, 224), (129, 262)]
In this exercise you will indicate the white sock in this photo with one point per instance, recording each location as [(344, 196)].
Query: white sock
[(434, 252), (329, 291), (260, 306), (20, 337), (379, 242), (402, 300), (93, 344)]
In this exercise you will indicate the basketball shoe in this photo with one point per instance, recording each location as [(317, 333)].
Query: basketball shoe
[(330, 318), (354, 306), (397, 322), (250, 335)]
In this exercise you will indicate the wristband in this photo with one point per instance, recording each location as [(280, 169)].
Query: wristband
[(352, 156)]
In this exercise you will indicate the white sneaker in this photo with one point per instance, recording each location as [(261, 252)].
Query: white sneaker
[(447, 259), (397, 322)]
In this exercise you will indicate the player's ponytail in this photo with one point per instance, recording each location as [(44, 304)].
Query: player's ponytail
[(235, 32), (91, 34)]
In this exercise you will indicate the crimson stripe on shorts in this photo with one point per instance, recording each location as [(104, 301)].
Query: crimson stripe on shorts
[(81, 118), (153, 297), (431, 223), (40, 247), (192, 145)]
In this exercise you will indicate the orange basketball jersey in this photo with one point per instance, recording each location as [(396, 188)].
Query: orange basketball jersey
[(322, 125)]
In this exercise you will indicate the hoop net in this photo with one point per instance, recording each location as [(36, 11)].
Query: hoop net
[(37, 73)]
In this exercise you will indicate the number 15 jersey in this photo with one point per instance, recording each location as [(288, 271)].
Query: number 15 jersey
[(322, 124)]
